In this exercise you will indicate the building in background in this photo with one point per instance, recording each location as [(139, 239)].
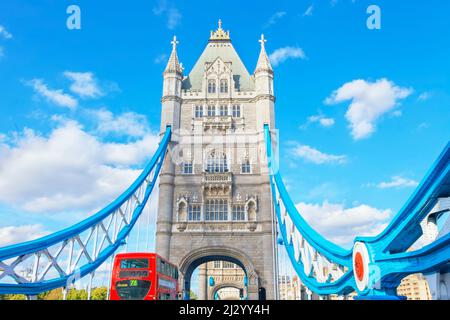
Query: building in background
[(435, 226), (414, 287), (291, 288), (221, 280)]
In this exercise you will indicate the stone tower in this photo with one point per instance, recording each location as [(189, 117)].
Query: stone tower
[(214, 191)]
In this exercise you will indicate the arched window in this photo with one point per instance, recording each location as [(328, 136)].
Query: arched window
[(216, 210), (211, 86), (246, 167), (194, 212), (187, 167), (238, 212), (198, 111), (223, 86), (211, 110), (216, 162), (236, 111), (223, 110)]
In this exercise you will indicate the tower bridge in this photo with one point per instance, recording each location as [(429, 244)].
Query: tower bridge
[(222, 198)]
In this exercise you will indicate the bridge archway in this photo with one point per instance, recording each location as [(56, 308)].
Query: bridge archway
[(197, 257), (224, 285)]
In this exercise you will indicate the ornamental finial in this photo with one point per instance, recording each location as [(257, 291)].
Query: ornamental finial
[(262, 40), (174, 43), (220, 34)]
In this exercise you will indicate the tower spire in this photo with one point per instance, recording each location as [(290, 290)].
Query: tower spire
[(263, 63), (173, 65)]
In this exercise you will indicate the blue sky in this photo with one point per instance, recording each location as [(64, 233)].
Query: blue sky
[(362, 113)]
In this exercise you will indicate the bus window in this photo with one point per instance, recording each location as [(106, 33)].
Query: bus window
[(134, 264), (132, 289)]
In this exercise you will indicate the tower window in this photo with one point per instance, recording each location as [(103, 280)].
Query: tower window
[(211, 111), (216, 210), (211, 86), (223, 110), (228, 265), (194, 212), (223, 86), (236, 111), (198, 111), (187, 167), (238, 213), (246, 166), (216, 163)]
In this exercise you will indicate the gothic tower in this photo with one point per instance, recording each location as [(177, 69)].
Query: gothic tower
[(214, 192)]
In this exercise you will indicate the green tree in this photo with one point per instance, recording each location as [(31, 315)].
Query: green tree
[(74, 294), (55, 294), (14, 297), (192, 295), (99, 293)]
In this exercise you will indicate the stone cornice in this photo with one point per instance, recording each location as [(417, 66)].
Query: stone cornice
[(171, 98), (265, 97)]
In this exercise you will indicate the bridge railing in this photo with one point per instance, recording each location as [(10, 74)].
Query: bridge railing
[(57, 260), (323, 266), (375, 265)]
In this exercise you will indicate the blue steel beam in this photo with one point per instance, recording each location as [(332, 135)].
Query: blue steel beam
[(386, 262), (23, 249)]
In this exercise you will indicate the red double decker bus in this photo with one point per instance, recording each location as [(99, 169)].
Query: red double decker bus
[(143, 276)]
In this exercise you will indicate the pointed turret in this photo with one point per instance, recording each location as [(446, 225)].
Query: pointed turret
[(263, 63), (173, 77), (264, 88), (173, 65)]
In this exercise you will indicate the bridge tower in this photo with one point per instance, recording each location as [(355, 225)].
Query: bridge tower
[(214, 192)]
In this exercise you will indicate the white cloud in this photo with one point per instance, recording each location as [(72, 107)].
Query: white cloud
[(57, 97), (309, 11), (341, 225), (310, 154), (173, 15), (84, 84), (15, 234), (424, 96), (322, 120), (369, 101), (274, 18), (423, 126), (126, 124), (4, 33), (69, 170), (397, 182), (162, 58), (282, 54)]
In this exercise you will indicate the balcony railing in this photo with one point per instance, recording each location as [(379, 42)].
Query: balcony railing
[(216, 178), (217, 122)]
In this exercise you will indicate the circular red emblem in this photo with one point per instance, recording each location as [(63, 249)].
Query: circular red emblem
[(359, 266)]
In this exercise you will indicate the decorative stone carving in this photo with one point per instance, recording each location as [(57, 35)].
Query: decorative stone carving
[(217, 184), (251, 226), (181, 226)]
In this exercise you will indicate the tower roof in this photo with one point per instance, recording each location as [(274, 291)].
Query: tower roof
[(263, 63), (219, 46), (173, 65)]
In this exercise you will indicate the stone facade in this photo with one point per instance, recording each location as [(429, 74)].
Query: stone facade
[(225, 276), (214, 192)]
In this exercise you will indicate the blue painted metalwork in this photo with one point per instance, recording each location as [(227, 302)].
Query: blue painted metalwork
[(387, 261), (31, 247)]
